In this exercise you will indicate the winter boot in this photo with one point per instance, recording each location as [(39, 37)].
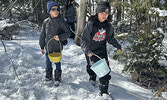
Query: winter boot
[(48, 76), (92, 80), (104, 97), (57, 74), (103, 87)]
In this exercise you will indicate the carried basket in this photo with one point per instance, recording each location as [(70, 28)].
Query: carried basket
[(55, 56), (100, 67)]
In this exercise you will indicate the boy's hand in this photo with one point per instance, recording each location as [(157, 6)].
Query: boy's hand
[(119, 50), (90, 54), (56, 37), (42, 51)]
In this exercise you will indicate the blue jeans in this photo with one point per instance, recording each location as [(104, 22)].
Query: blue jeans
[(49, 64)]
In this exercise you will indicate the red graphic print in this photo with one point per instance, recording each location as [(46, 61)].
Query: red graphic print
[(100, 36)]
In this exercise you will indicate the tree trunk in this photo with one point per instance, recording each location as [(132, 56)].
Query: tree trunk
[(123, 10), (118, 14), (80, 21), (44, 3), (36, 11)]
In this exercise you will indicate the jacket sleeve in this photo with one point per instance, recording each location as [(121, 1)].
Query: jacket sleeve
[(42, 35), (112, 40), (86, 38), (65, 31)]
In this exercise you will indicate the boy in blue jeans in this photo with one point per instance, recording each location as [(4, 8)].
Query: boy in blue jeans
[(53, 27)]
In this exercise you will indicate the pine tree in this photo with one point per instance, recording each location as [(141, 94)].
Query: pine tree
[(144, 51)]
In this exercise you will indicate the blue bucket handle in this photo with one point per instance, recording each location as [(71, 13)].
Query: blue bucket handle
[(95, 56)]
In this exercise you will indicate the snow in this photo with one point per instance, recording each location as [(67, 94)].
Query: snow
[(164, 42), (123, 34), (25, 53), (162, 13), (4, 23), (78, 1)]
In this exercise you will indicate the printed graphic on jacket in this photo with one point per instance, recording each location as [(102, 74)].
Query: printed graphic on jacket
[(100, 35)]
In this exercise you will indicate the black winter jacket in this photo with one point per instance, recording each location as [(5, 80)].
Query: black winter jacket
[(50, 28), (95, 36), (70, 14)]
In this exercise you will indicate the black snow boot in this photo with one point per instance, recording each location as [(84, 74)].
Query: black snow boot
[(49, 74), (57, 74), (103, 87)]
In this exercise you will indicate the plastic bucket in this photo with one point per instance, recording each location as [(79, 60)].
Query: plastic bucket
[(100, 67), (55, 56)]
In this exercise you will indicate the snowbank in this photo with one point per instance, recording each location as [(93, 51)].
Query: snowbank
[(4, 23), (162, 13)]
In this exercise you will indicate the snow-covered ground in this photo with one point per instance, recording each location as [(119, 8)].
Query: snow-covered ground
[(25, 53)]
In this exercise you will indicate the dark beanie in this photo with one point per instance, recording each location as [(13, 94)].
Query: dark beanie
[(50, 4), (103, 6)]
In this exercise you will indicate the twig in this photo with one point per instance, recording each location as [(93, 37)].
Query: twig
[(13, 67), (74, 33), (136, 95), (3, 45), (162, 97), (10, 59), (71, 30), (158, 92)]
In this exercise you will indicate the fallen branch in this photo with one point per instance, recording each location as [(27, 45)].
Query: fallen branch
[(136, 95), (10, 60), (159, 92), (13, 66), (3, 45)]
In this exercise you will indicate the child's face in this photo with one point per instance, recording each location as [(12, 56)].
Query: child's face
[(54, 12), (102, 16)]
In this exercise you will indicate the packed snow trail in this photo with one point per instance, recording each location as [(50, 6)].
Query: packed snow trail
[(30, 66)]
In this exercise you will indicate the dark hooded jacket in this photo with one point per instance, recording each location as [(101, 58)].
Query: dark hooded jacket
[(95, 36), (50, 28), (71, 14)]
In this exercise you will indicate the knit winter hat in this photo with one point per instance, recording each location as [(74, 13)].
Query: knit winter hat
[(50, 4), (103, 6)]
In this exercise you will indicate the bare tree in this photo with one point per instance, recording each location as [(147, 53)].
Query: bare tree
[(82, 11)]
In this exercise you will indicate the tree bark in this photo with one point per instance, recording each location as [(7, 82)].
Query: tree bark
[(80, 21), (123, 10), (119, 14)]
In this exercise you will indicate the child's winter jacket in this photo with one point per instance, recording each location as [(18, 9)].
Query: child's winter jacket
[(95, 35), (50, 28)]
